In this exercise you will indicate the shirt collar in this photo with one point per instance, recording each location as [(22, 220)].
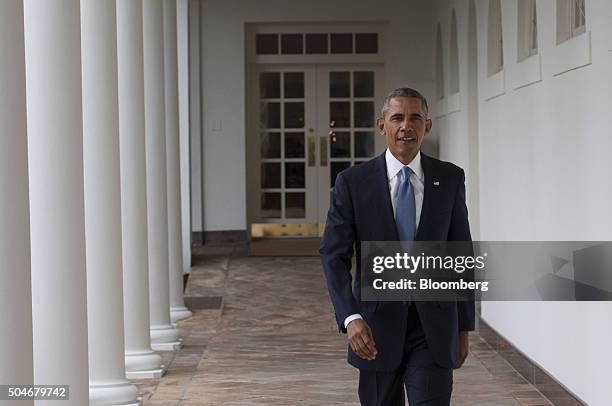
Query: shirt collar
[(394, 165)]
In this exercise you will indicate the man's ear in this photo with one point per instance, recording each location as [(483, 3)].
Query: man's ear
[(380, 123), (428, 125)]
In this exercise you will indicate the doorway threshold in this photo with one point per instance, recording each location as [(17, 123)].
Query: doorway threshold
[(284, 247)]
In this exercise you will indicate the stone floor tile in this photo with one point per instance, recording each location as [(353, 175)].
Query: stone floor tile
[(263, 347)]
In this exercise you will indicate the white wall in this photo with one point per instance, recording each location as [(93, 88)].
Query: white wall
[(544, 175), (457, 143), (408, 58)]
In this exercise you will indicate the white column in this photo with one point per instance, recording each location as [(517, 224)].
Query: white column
[(57, 224), (140, 360), (195, 114), (163, 335), (182, 34), (15, 285), (178, 311), (107, 383)]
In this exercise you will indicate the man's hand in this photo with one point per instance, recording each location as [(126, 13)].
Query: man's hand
[(464, 348), (361, 340)]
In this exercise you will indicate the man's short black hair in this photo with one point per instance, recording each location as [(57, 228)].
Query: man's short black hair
[(404, 92)]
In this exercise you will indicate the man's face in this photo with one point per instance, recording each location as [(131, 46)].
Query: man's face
[(404, 126)]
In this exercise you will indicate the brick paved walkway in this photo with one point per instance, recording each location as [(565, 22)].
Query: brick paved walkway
[(264, 347)]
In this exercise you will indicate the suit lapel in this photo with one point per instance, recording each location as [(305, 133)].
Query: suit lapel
[(380, 183), (431, 175)]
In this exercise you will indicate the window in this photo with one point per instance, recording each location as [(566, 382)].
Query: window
[(366, 43), (440, 91), (454, 56), (266, 44), (316, 43), (292, 44), (571, 19), (495, 41), (527, 29), (341, 43)]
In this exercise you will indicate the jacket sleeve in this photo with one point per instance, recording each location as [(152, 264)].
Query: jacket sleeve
[(460, 231), (337, 251)]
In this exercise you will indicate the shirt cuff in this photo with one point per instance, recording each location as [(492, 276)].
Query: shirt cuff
[(351, 318)]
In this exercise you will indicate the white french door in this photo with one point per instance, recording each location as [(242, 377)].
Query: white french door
[(347, 100), (312, 122), (285, 170)]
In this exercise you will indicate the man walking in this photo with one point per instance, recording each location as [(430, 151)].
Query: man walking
[(402, 195)]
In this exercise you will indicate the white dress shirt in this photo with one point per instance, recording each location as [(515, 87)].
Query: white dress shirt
[(394, 175)]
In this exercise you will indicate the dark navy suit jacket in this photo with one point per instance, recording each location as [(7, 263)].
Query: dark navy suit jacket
[(361, 210)]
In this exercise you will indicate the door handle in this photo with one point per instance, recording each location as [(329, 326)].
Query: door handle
[(311, 150), (323, 142)]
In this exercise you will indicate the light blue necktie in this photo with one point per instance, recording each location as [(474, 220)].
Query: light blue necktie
[(405, 211)]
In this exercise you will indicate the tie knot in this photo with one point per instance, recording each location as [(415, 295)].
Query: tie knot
[(406, 172)]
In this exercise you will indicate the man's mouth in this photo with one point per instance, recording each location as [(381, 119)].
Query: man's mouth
[(406, 139)]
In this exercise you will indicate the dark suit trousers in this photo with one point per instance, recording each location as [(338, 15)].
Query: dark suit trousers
[(426, 383)]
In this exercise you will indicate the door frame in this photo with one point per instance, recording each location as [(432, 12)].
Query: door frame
[(253, 146), (254, 63), (324, 129), (316, 127)]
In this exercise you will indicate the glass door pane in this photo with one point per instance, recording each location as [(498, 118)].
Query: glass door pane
[(287, 184), (347, 98)]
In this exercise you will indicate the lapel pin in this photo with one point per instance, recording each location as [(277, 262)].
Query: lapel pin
[(436, 183)]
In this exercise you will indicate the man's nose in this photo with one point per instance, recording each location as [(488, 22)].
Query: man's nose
[(406, 127)]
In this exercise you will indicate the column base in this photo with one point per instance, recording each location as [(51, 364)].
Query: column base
[(173, 346), (164, 334), (147, 374), (143, 365), (119, 392), (179, 313)]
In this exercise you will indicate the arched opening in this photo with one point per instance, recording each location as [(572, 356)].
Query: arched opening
[(495, 42), (473, 193), (440, 87), (454, 55)]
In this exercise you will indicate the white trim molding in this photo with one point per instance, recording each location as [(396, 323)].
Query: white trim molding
[(572, 54), (527, 72), (494, 86), (453, 104), (441, 108)]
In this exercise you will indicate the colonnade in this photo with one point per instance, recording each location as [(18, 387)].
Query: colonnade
[(91, 248)]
